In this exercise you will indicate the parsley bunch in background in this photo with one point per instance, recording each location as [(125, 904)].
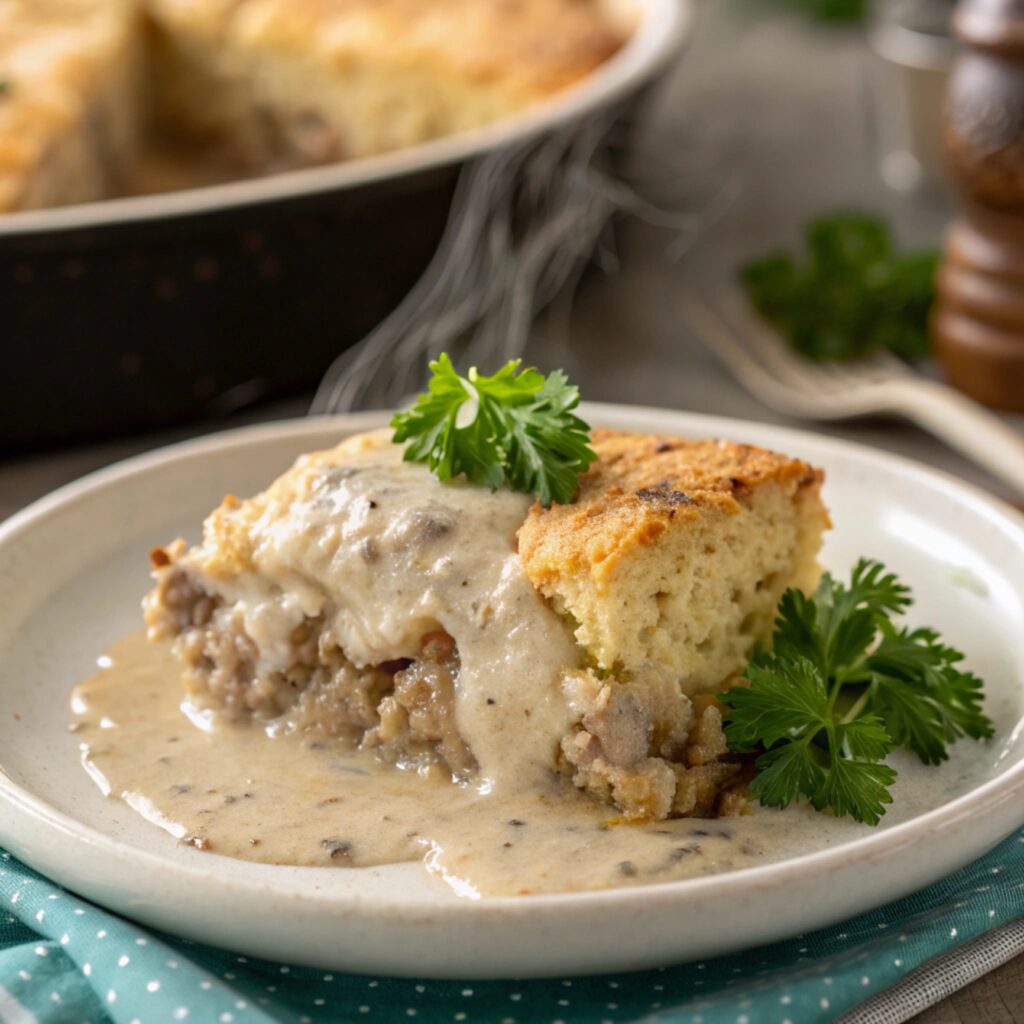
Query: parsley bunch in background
[(515, 427), (832, 10), (852, 293), (843, 686)]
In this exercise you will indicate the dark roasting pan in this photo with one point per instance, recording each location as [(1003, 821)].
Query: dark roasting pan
[(139, 312)]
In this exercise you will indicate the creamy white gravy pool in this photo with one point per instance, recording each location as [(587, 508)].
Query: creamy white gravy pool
[(234, 790)]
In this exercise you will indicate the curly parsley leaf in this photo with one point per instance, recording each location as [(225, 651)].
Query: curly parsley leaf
[(843, 687), (852, 294), (786, 772), (838, 622), (926, 700), (787, 709), (856, 788), (785, 699), (515, 427)]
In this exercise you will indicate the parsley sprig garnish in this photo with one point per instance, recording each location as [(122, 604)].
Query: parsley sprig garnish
[(853, 292), (843, 686), (515, 427)]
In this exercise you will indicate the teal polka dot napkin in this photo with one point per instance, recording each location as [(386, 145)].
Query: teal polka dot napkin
[(65, 961)]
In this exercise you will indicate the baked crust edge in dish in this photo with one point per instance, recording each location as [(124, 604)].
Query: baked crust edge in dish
[(265, 85)]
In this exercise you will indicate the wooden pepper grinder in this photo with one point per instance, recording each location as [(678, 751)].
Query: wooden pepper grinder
[(978, 320)]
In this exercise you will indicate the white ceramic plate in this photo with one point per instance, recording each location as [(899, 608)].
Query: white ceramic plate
[(74, 566)]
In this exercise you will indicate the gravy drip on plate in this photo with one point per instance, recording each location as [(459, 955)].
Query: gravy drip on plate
[(293, 799), (232, 789)]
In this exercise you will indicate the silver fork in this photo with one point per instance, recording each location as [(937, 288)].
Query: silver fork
[(763, 363)]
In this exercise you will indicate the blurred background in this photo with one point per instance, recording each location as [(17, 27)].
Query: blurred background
[(701, 181)]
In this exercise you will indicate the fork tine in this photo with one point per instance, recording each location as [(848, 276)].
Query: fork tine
[(772, 352), (835, 376), (972, 430), (795, 370), (711, 329)]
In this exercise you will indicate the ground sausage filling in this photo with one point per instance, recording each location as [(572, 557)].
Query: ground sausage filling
[(637, 745), (402, 709)]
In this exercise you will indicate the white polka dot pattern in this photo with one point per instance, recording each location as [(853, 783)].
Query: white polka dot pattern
[(63, 960)]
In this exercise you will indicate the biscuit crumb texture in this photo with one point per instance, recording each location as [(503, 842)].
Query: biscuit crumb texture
[(669, 567), (675, 554)]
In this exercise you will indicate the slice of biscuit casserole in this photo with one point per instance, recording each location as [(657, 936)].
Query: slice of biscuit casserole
[(456, 630), (70, 110), (309, 81)]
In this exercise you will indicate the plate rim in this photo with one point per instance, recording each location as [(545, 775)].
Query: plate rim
[(1006, 786)]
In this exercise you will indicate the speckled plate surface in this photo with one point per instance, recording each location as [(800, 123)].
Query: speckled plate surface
[(73, 568)]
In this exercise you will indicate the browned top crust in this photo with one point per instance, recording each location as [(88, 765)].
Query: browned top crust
[(537, 45), (55, 56), (641, 485)]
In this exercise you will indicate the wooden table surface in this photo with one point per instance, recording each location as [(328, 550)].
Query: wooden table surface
[(997, 998), (779, 109)]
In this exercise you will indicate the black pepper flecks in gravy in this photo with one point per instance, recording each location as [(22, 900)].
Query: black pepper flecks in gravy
[(232, 789), (384, 554)]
